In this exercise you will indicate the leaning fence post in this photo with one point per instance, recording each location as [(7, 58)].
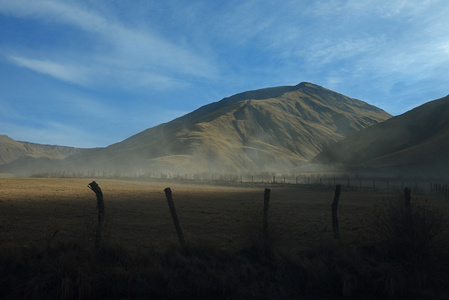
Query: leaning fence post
[(171, 206), (100, 206), (266, 237), (334, 212)]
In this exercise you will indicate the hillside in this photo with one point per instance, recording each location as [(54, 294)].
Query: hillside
[(268, 129), (416, 141), (11, 150)]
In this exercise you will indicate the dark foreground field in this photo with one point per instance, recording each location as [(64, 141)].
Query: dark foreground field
[(47, 251)]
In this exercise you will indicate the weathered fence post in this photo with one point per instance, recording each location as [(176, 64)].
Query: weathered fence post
[(334, 212), (407, 198), (100, 206), (266, 238), (171, 206)]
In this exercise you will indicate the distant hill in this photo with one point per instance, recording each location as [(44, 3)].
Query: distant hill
[(415, 142), (11, 150), (268, 129)]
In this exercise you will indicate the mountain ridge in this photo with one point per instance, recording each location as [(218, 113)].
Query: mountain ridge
[(275, 128), (416, 141), (11, 150)]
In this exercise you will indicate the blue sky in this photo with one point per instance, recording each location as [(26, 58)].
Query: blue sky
[(92, 73)]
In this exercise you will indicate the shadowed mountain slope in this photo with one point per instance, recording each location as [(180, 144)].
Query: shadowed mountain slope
[(416, 141), (268, 129), (11, 150)]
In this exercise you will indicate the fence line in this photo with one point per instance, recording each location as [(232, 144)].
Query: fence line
[(351, 182)]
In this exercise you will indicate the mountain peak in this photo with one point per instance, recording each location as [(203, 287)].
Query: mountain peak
[(269, 129)]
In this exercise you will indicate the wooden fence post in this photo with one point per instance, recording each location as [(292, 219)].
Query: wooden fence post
[(171, 206), (100, 206), (334, 212), (266, 238), (407, 198)]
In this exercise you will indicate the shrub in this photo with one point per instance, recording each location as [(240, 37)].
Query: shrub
[(407, 234)]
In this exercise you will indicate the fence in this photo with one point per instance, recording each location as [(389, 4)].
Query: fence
[(265, 232), (348, 182)]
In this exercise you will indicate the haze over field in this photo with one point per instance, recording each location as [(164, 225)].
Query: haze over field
[(93, 73)]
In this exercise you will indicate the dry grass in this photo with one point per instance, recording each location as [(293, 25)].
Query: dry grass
[(47, 229)]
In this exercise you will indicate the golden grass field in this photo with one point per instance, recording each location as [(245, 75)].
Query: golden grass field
[(47, 211), (137, 214)]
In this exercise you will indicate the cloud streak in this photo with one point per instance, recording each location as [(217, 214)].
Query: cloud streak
[(60, 71), (148, 59)]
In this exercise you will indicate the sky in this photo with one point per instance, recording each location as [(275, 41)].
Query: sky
[(90, 73)]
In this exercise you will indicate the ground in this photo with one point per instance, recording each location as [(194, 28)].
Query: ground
[(41, 215)]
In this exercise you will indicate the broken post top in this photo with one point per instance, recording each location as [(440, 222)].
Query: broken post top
[(94, 187), (167, 192)]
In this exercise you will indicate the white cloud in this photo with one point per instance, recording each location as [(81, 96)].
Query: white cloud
[(65, 72), (125, 49)]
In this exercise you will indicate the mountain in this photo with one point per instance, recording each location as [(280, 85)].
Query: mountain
[(414, 142), (11, 150), (262, 130)]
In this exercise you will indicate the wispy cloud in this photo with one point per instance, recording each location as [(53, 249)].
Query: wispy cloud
[(60, 71), (149, 59)]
